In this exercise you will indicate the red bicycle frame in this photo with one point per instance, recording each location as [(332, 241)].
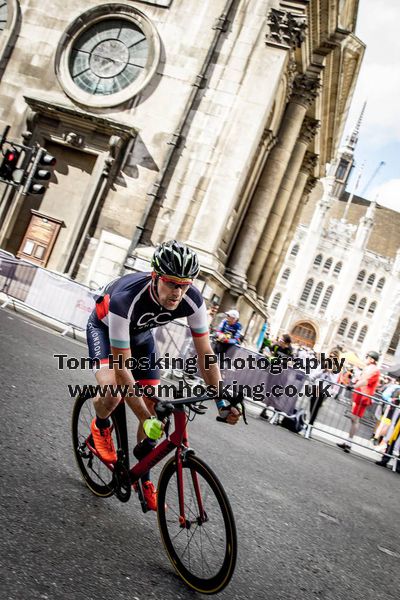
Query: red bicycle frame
[(178, 439)]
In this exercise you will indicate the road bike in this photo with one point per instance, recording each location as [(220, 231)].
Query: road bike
[(195, 517)]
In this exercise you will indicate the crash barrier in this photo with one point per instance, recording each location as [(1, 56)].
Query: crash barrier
[(333, 419), (45, 292)]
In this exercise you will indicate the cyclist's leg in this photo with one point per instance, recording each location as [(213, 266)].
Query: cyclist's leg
[(104, 403), (146, 374)]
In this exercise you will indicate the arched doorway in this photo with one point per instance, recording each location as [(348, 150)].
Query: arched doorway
[(304, 334)]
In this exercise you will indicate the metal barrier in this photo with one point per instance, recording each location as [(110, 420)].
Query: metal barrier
[(45, 292)]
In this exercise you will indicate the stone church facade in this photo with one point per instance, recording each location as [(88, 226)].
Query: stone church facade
[(340, 282), (209, 122)]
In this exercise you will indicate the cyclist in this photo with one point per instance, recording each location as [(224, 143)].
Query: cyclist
[(126, 311)]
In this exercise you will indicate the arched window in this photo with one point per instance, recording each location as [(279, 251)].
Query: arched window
[(317, 293), (362, 334), (327, 265), (342, 327), (275, 301), (294, 251), (337, 269), (361, 276), (352, 330), (327, 297), (371, 279), (362, 304), (307, 290), (285, 275), (352, 300), (380, 284), (371, 310), (318, 260)]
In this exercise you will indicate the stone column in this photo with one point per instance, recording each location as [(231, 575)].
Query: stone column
[(303, 188), (305, 90), (307, 133)]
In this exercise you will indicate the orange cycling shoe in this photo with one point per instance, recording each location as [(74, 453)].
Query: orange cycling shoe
[(103, 442), (150, 494)]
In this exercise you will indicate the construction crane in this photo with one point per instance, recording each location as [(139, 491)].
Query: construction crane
[(374, 174)]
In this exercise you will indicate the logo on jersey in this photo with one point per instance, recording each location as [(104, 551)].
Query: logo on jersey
[(150, 319)]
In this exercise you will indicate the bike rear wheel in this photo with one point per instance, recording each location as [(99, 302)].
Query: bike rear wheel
[(203, 552), (96, 475)]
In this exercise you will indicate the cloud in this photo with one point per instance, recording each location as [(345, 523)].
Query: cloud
[(387, 194)]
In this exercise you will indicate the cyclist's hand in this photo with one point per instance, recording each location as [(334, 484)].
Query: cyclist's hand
[(229, 414), (153, 428)]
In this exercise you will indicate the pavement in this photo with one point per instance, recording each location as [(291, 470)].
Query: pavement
[(312, 521)]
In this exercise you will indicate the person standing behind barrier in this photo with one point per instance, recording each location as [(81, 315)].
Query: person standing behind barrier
[(228, 333), (326, 375), (393, 435), (367, 384), (282, 346)]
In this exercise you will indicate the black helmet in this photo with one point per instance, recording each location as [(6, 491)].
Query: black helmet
[(374, 355), (175, 259)]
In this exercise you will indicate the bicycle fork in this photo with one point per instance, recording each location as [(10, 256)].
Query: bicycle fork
[(202, 516)]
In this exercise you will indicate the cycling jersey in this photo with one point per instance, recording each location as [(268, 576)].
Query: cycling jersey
[(128, 307)]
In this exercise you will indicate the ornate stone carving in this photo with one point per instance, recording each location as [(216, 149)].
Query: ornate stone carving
[(291, 73), (285, 29), (310, 185), (310, 161), (73, 139), (268, 139), (305, 90), (309, 130), (339, 230)]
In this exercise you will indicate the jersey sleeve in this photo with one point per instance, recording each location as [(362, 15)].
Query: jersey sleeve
[(118, 323), (198, 321)]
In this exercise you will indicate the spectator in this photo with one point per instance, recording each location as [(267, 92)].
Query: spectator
[(211, 315), (393, 435), (282, 346), (228, 333), (345, 379), (366, 383), (317, 397)]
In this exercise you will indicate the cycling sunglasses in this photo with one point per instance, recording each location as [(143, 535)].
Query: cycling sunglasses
[(176, 280)]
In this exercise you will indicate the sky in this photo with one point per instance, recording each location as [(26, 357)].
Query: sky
[(379, 85)]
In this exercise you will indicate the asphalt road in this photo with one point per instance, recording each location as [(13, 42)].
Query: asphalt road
[(312, 521)]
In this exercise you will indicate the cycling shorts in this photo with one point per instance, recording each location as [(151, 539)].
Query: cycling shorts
[(142, 346)]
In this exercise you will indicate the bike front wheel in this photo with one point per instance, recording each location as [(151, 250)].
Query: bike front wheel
[(203, 549)]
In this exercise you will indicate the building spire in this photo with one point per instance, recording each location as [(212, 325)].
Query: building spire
[(352, 139)]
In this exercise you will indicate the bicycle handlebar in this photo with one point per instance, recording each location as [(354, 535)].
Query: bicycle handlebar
[(164, 408)]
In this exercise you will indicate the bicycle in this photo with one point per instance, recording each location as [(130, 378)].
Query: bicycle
[(195, 518)]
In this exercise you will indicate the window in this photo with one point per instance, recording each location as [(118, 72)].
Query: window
[(337, 269), (294, 251), (307, 290), (327, 297), (371, 279), (318, 260), (380, 284), (275, 301), (352, 300), (107, 55), (362, 304), (285, 275), (342, 327), (362, 334), (352, 331), (317, 293), (327, 265), (361, 276), (371, 310)]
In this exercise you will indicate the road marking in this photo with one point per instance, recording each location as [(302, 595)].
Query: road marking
[(328, 517), (390, 552)]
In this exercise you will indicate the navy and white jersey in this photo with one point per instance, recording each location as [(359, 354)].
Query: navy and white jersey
[(128, 307)]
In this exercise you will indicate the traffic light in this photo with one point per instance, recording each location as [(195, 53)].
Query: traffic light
[(38, 174), (8, 167)]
